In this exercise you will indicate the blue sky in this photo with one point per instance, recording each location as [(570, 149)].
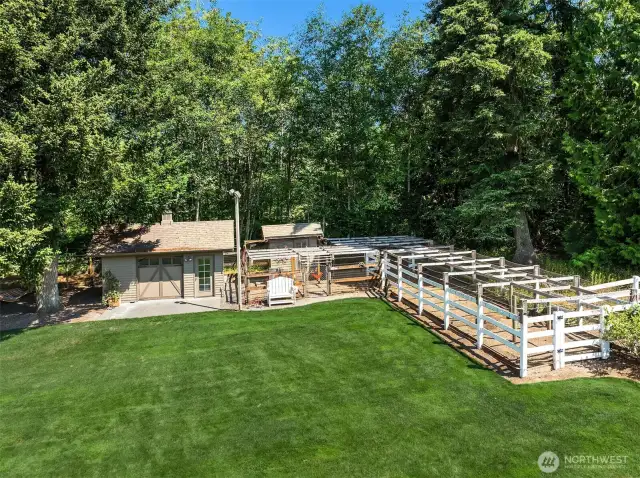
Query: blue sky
[(282, 17)]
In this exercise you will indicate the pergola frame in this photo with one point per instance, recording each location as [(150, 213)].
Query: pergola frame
[(492, 291), (529, 285)]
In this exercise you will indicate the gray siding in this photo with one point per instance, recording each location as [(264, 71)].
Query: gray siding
[(124, 268), (218, 274), (280, 243), (188, 277), (312, 241)]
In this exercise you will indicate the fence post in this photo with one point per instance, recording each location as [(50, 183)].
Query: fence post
[(605, 346), (536, 272), (445, 296), (245, 279), (512, 307), (524, 332), (558, 339), (475, 263), (328, 274), (634, 291), (479, 319), (383, 274), (576, 284), (420, 290), (366, 264), (399, 278)]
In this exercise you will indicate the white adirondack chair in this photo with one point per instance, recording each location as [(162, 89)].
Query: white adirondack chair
[(281, 291)]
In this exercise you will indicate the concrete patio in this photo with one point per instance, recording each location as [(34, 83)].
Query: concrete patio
[(147, 308), (151, 308)]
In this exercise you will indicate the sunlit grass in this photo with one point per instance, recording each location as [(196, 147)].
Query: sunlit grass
[(348, 388)]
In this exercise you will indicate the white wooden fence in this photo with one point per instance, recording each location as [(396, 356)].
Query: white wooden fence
[(409, 281)]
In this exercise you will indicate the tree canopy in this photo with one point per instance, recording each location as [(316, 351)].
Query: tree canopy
[(486, 124)]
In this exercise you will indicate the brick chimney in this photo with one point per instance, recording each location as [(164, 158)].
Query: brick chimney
[(167, 218)]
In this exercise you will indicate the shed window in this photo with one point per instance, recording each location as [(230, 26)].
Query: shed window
[(168, 261)]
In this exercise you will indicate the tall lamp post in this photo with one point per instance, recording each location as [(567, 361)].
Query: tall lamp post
[(236, 197)]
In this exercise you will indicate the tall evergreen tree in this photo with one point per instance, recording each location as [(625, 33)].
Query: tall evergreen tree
[(490, 90), (63, 67), (602, 90)]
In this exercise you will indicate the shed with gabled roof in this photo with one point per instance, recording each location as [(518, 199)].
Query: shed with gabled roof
[(165, 260), (301, 234)]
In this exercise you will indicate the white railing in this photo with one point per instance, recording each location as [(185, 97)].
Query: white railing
[(452, 303)]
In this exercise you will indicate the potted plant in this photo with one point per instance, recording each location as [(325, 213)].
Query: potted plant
[(111, 290)]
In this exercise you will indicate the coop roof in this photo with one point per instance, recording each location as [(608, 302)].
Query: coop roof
[(274, 231)]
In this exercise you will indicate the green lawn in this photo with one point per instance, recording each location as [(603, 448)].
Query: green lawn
[(348, 388)]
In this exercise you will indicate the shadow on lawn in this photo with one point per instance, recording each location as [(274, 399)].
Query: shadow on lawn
[(456, 339), (620, 362), (9, 334)]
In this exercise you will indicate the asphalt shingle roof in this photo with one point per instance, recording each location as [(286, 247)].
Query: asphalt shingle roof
[(175, 237), (290, 230)]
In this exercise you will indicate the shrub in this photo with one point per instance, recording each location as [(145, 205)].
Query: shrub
[(624, 329), (111, 288)]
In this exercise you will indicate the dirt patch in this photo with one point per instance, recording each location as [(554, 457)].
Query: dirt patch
[(618, 365), (67, 315), (81, 303)]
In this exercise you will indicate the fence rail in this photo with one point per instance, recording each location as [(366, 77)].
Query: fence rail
[(407, 277)]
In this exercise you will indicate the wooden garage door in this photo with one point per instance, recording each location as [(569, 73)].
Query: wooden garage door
[(171, 277), (159, 277)]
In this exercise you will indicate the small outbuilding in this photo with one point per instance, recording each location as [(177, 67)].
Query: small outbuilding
[(165, 260), (298, 235)]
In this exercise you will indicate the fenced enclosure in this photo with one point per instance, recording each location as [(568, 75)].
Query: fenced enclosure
[(340, 266), (522, 314), (317, 271), (525, 314)]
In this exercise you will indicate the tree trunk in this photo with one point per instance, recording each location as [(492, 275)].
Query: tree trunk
[(47, 294), (525, 253), (409, 165)]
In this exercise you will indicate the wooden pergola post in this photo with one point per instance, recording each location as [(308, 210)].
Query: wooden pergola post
[(536, 272), (305, 274)]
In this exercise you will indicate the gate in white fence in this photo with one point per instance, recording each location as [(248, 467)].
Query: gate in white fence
[(430, 281)]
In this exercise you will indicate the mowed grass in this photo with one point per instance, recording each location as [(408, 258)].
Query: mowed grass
[(347, 388)]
